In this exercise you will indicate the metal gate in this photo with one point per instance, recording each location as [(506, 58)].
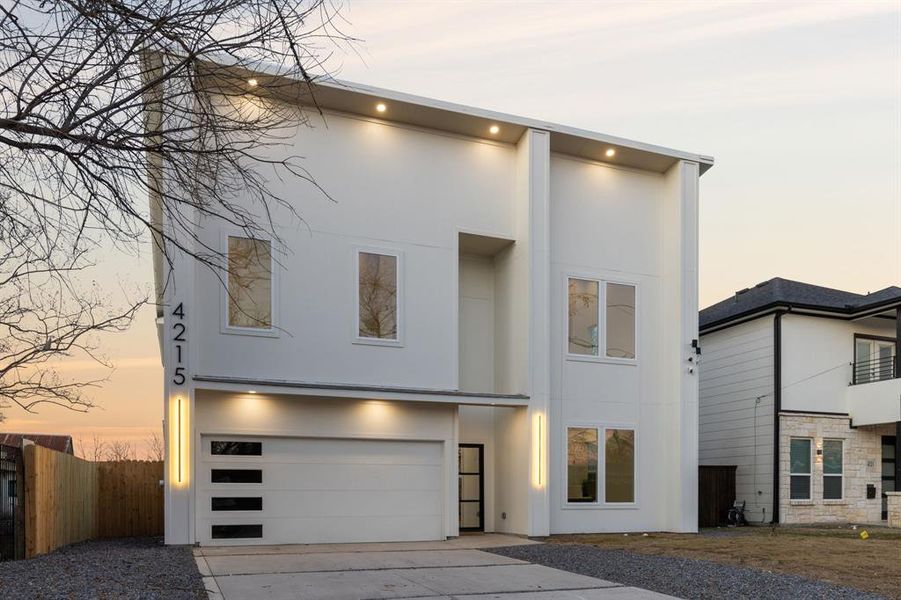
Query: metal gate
[(12, 487)]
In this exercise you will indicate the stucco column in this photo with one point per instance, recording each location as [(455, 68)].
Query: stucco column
[(175, 315), (534, 189), (680, 328)]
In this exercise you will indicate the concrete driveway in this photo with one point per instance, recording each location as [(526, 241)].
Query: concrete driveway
[(452, 570)]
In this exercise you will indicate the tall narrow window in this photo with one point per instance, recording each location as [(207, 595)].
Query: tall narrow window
[(583, 317), (249, 283), (620, 320), (799, 485), (582, 464), (832, 470), (377, 296), (619, 465)]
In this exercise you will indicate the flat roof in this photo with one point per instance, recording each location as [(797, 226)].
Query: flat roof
[(400, 107)]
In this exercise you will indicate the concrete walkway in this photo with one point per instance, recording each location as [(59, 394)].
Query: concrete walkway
[(451, 570)]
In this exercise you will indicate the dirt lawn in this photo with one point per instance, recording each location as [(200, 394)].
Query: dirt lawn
[(835, 554)]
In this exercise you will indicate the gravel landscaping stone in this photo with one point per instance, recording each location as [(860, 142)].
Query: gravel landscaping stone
[(128, 569), (682, 577)]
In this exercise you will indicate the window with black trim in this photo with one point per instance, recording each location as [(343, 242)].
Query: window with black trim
[(833, 471), (800, 469)]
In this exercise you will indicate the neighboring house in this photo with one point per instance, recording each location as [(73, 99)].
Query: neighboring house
[(60, 443), (800, 390), (492, 328)]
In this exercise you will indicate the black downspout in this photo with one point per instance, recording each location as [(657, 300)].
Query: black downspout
[(777, 407)]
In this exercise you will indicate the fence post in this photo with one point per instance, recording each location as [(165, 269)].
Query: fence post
[(31, 498), (19, 512)]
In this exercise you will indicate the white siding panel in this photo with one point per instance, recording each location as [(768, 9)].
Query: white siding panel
[(736, 410)]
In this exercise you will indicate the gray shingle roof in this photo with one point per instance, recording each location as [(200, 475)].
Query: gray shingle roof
[(778, 292)]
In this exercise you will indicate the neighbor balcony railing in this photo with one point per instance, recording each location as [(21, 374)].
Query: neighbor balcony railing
[(877, 369)]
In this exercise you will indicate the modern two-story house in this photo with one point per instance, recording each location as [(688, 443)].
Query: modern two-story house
[(800, 390), (493, 327)]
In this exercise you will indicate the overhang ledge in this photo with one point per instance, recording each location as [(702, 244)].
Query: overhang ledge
[(367, 392)]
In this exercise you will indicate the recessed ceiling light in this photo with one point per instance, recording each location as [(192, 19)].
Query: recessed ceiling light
[(251, 391), (494, 129), (381, 107), (252, 82), (610, 152)]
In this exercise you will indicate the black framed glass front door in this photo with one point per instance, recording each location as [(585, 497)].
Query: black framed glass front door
[(470, 467)]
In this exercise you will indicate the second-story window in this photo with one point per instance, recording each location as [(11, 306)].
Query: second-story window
[(607, 333), (620, 320), (249, 283), (583, 317), (377, 296), (874, 359)]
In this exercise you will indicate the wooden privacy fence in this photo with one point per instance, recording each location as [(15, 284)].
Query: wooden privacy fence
[(69, 500), (130, 498), (716, 493)]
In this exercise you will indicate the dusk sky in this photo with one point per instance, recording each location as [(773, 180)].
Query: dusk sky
[(799, 103)]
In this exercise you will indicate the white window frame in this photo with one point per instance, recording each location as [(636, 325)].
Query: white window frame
[(840, 476), (809, 474), (602, 319), (272, 331), (601, 503), (398, 342)]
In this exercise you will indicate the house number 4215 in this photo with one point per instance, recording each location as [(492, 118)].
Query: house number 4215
[(178, 336)]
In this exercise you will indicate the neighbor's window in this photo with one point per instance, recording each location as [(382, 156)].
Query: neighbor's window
[(377, 296), (249, 283), (583, 317), (582, 464), (619, 465), (832, 470), (800, 469), (620, 321)]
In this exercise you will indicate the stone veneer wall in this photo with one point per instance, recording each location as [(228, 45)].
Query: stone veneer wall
[(894, 509), (862, 465)]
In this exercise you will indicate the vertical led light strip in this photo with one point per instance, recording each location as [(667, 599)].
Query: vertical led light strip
[(179, 440), (536, 471), (540, 455)]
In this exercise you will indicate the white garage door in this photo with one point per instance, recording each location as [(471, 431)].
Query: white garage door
[(308, 490)]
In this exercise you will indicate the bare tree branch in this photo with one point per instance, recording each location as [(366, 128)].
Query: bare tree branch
[(101, 97)]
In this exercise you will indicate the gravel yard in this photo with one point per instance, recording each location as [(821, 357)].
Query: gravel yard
[(682, 577), (132, 568)]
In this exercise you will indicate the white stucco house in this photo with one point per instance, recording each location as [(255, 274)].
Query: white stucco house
[(492, 328), (801, 390)]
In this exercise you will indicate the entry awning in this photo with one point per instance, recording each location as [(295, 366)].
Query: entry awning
[(303, 388)]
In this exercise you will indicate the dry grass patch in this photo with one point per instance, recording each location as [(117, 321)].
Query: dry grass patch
[(833, 554)]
